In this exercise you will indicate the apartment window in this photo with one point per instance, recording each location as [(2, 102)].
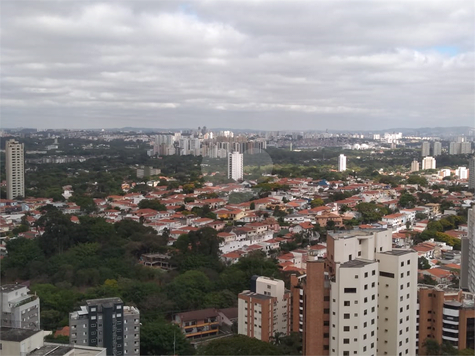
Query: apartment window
[(372, 309), (373, 284), (400, 309), (366, 299), (373, 272), (346, 316), (402, 264), (408, 262), (356, 315), (359, 253), (326, 323), (326, 335), (349, 290), (407, 296), (365, 287), (386, 274), (372, 345), (326, 299), (364, 337), (364, 349), (365, 312), (346, 328), (346, 341), (373, 297), (326, 347), (400, 332), (400, 321), (93, 317), (372, 333), (401, 287), (402, 275), (346, 353), (346, 303), (365, 324), (365, 274), (400, 343), (350, 257), (408, 284), (326, 311), (401, 298), (408, 273), (93, 309)]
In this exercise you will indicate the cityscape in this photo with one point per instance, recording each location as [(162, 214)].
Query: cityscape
[(237, 178)]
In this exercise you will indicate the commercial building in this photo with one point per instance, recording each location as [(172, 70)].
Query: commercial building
[(471, 173), (235, 166), (414, 166), (467, 268), (342, 163), (19, 308), (425, 149), (265, 309), (106, 323), (15, 169), (428, 163), (445, 315)]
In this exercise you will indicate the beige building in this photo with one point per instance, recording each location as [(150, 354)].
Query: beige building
[(428, 163), (415, 166), (15, 169), (265, 309), (467, 271)]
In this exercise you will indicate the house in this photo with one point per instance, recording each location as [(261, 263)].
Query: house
[(199, 323), (440, 275)]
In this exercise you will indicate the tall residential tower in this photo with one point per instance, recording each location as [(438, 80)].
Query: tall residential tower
[(15, 167), (235, 165)]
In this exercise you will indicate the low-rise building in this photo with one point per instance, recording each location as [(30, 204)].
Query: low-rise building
[(199, 323), (19, 308)]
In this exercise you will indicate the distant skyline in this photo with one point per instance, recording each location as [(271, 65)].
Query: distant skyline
[(262, 65)]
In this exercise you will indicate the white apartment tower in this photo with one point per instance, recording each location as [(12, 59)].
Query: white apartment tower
[(428, 163), (235, 165), (15, 169), (462, 172), (425, 149), (414, 166), (373, 294), (19, 309), (397, 293), (342, 163)]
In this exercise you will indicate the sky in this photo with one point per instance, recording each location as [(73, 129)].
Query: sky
[(264, 65)]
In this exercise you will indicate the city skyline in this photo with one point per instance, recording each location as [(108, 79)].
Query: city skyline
[(168, 64)]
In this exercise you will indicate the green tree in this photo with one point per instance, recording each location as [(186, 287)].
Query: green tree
[(407, 200), (423, 263), (159, 337), (152, 204), (316, 202), (189, 289), (238, 345), (371, 212)]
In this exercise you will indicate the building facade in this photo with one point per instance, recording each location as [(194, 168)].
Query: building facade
[(107, 323), (437, 149), (342, 163), (414, 166), (265, 309), (445, 315), (15, 169), (235, 166), (19, 308), (425, 149), (467, 268), (471, 173), (428, 163)]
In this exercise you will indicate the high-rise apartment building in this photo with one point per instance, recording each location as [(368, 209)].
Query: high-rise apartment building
[(15, 169), (311, 307), (445, 314), (360, 300), (414, 166), (18, 308), (235, 165), (462, 172), (437, 149), (465, 147), (342, 163), (471, 173), (467, 268), (428, 163), (265, 309), (425, 149), (107, 323)]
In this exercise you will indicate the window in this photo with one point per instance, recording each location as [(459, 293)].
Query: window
[(408, 262), (386, 274), (346, 316), (372, 333), (373, 272), (349, 290), (364, 337), (365, 274), (365, 324), (365, 312), (326, 311), (365, 287), (326, 335), (408, 284), (366, 299), (346, 303), (373, 284), (326, 323), (346, 353), (346, 328), (402, 264), (408, 273), (346, 341), (402, 275), (373, 297)]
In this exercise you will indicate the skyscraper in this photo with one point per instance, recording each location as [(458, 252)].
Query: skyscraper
[(467, 268), (106, 323), (235, 165), (425, 148), (15, 167), (437, 149), (471, 173), (342, 163)]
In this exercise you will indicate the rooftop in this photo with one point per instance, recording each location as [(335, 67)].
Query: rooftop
[(51, 350), (11, 287), (357, 263), (256, 295), (398, 252), (14, 334), (103, 301)]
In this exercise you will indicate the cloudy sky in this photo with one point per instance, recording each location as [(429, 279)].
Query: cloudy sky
[(239, 64)]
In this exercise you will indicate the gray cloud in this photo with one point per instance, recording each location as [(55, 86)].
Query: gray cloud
[(256, 64)]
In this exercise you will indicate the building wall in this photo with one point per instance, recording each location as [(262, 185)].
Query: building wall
[(316, 303), (353, 317), (397, 303)]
